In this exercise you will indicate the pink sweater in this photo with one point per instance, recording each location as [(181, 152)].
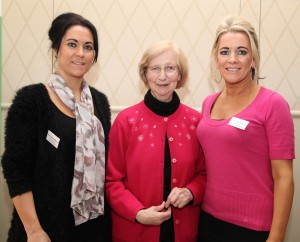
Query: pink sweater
[(239, 186)]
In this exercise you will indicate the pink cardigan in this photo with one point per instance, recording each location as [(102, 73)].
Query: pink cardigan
[(135, 167)]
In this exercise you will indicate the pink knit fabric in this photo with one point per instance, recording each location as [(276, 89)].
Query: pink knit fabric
[(239, 186)]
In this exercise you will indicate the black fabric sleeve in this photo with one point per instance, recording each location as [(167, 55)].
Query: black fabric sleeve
[(20, 141)]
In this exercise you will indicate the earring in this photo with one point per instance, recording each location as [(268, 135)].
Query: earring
[(252, 73), (215, 77)]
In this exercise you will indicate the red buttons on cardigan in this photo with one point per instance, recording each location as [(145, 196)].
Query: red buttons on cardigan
[(174, 180), (177, 221), (174, 160), (171, 139)]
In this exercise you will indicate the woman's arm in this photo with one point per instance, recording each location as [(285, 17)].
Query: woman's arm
[(197, 185), (282, 171), (24, 205), (120, 198), (18, 160)]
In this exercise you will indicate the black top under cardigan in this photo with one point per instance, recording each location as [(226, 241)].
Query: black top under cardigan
[(165, 109), (31, 163)]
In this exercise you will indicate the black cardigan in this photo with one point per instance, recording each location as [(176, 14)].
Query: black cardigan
[(30, 163)]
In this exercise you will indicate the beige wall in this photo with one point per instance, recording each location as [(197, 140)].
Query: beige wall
[(126, 28)]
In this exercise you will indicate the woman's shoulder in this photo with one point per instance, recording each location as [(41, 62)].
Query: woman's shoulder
[(30, 94), (131, 113), (100, 99), (102, 107), (135, 108), (96, 92), (32, 89), (29, 102), (191, 110), (212, 97), (270, 96)]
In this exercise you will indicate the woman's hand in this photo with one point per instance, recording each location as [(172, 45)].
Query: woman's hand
[(38, 235), (154, 215), (179, 197), (24, 204)]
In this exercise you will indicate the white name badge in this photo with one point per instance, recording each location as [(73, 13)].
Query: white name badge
[(53, 139), (238, 123)]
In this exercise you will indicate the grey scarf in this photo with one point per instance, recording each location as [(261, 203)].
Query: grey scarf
[(89, 169)]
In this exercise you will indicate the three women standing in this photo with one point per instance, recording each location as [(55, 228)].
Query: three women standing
[(156, 175)]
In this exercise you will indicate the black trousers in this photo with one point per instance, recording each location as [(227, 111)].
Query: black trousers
[(212, 229)]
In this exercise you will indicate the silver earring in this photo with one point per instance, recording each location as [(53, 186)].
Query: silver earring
[(215, 77), (252, 73)]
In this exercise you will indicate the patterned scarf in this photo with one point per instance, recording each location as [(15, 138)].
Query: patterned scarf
[(89, 169)]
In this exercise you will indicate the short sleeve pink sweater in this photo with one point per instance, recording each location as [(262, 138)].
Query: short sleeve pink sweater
[(239, 186)]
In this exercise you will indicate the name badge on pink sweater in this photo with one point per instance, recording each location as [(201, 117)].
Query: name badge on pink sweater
[(238, 123)]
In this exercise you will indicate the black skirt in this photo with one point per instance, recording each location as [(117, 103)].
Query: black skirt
[(212, 229)]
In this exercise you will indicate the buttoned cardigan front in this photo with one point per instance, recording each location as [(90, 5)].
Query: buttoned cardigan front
[(135, 170)]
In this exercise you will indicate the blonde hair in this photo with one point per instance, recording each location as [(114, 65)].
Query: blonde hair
[(236, 24), (155, 50)]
